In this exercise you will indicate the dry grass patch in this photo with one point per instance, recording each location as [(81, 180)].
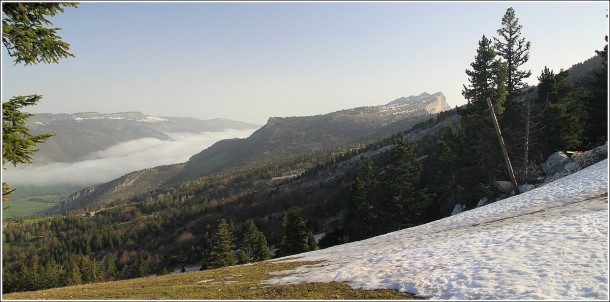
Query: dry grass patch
[(236, 282)]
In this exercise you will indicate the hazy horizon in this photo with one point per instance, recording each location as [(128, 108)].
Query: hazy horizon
[(117, 160), (249, 61)]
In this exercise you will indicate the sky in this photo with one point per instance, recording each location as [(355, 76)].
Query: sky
[(249, 61), (550, 243)]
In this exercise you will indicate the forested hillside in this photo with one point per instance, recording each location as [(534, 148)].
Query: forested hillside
[(274, 193), (280, 140)]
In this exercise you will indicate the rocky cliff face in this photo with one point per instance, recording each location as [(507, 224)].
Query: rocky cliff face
[(432, 103), (437, 104), (282, 137)]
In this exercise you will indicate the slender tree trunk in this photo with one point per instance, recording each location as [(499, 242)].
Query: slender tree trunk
[(511, 172), (527, 138)]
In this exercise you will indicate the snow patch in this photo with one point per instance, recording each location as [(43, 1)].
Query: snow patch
[(547, 243)]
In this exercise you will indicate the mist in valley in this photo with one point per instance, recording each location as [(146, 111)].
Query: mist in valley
[(113, 162)]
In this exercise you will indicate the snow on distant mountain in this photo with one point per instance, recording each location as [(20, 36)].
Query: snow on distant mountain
[(131, 116), (547, 243)]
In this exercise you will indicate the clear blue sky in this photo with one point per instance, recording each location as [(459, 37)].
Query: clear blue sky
[(250, 61)]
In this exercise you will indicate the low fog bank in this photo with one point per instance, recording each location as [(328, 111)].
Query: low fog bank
[(118, 160)]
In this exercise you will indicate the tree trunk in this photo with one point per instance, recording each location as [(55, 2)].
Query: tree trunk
[(527, 138), (511, 172)]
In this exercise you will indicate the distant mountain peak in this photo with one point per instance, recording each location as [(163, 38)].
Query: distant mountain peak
[(433, 103)]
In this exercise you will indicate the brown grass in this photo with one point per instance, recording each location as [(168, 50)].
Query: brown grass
[(230, 283)]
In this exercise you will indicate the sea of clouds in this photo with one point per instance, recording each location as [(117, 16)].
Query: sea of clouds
[(118, 160)]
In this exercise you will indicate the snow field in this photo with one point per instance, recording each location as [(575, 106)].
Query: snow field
[(547, 243)]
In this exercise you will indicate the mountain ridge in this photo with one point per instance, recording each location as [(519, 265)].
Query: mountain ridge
[(281, 138), (343, 126)]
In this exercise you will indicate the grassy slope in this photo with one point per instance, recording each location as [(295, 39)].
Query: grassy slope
[(27, 201), (26, 207), (237, 282)]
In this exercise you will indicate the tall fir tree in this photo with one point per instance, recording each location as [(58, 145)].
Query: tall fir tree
[(254, 243), (449, 164), (53, 274), (109, 267), (91, 270), (356, 215), (564, 115), (222, 251), (72, 274), (487, 80), (406, 197), (513, 49), (142, 268), (294, 240), (362, 212)]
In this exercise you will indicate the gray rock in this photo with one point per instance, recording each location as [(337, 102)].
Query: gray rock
[(459, 208), (504, 186), (581, 160), (555, 163), (482, 202)]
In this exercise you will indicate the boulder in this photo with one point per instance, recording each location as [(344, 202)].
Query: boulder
[(555, 163), (503, 186), (459, 208), (482, 202), (581, 160)]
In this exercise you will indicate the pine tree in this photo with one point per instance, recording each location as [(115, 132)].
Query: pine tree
[(72, 275), (312, 244), (27, 38), (110, 267), (564, 115), (222, 253), (52, 273), (294, 240), (262, 251), (17, 141), (9, 281), (163, 271), (254, 243), (242, 257), (406, 196), (487, 80), (449, 164), (362, 212), (142, 267), (32, 277), (514, 51), (354, 223)]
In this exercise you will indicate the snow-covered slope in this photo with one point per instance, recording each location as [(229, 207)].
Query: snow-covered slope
[(548, 243)]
